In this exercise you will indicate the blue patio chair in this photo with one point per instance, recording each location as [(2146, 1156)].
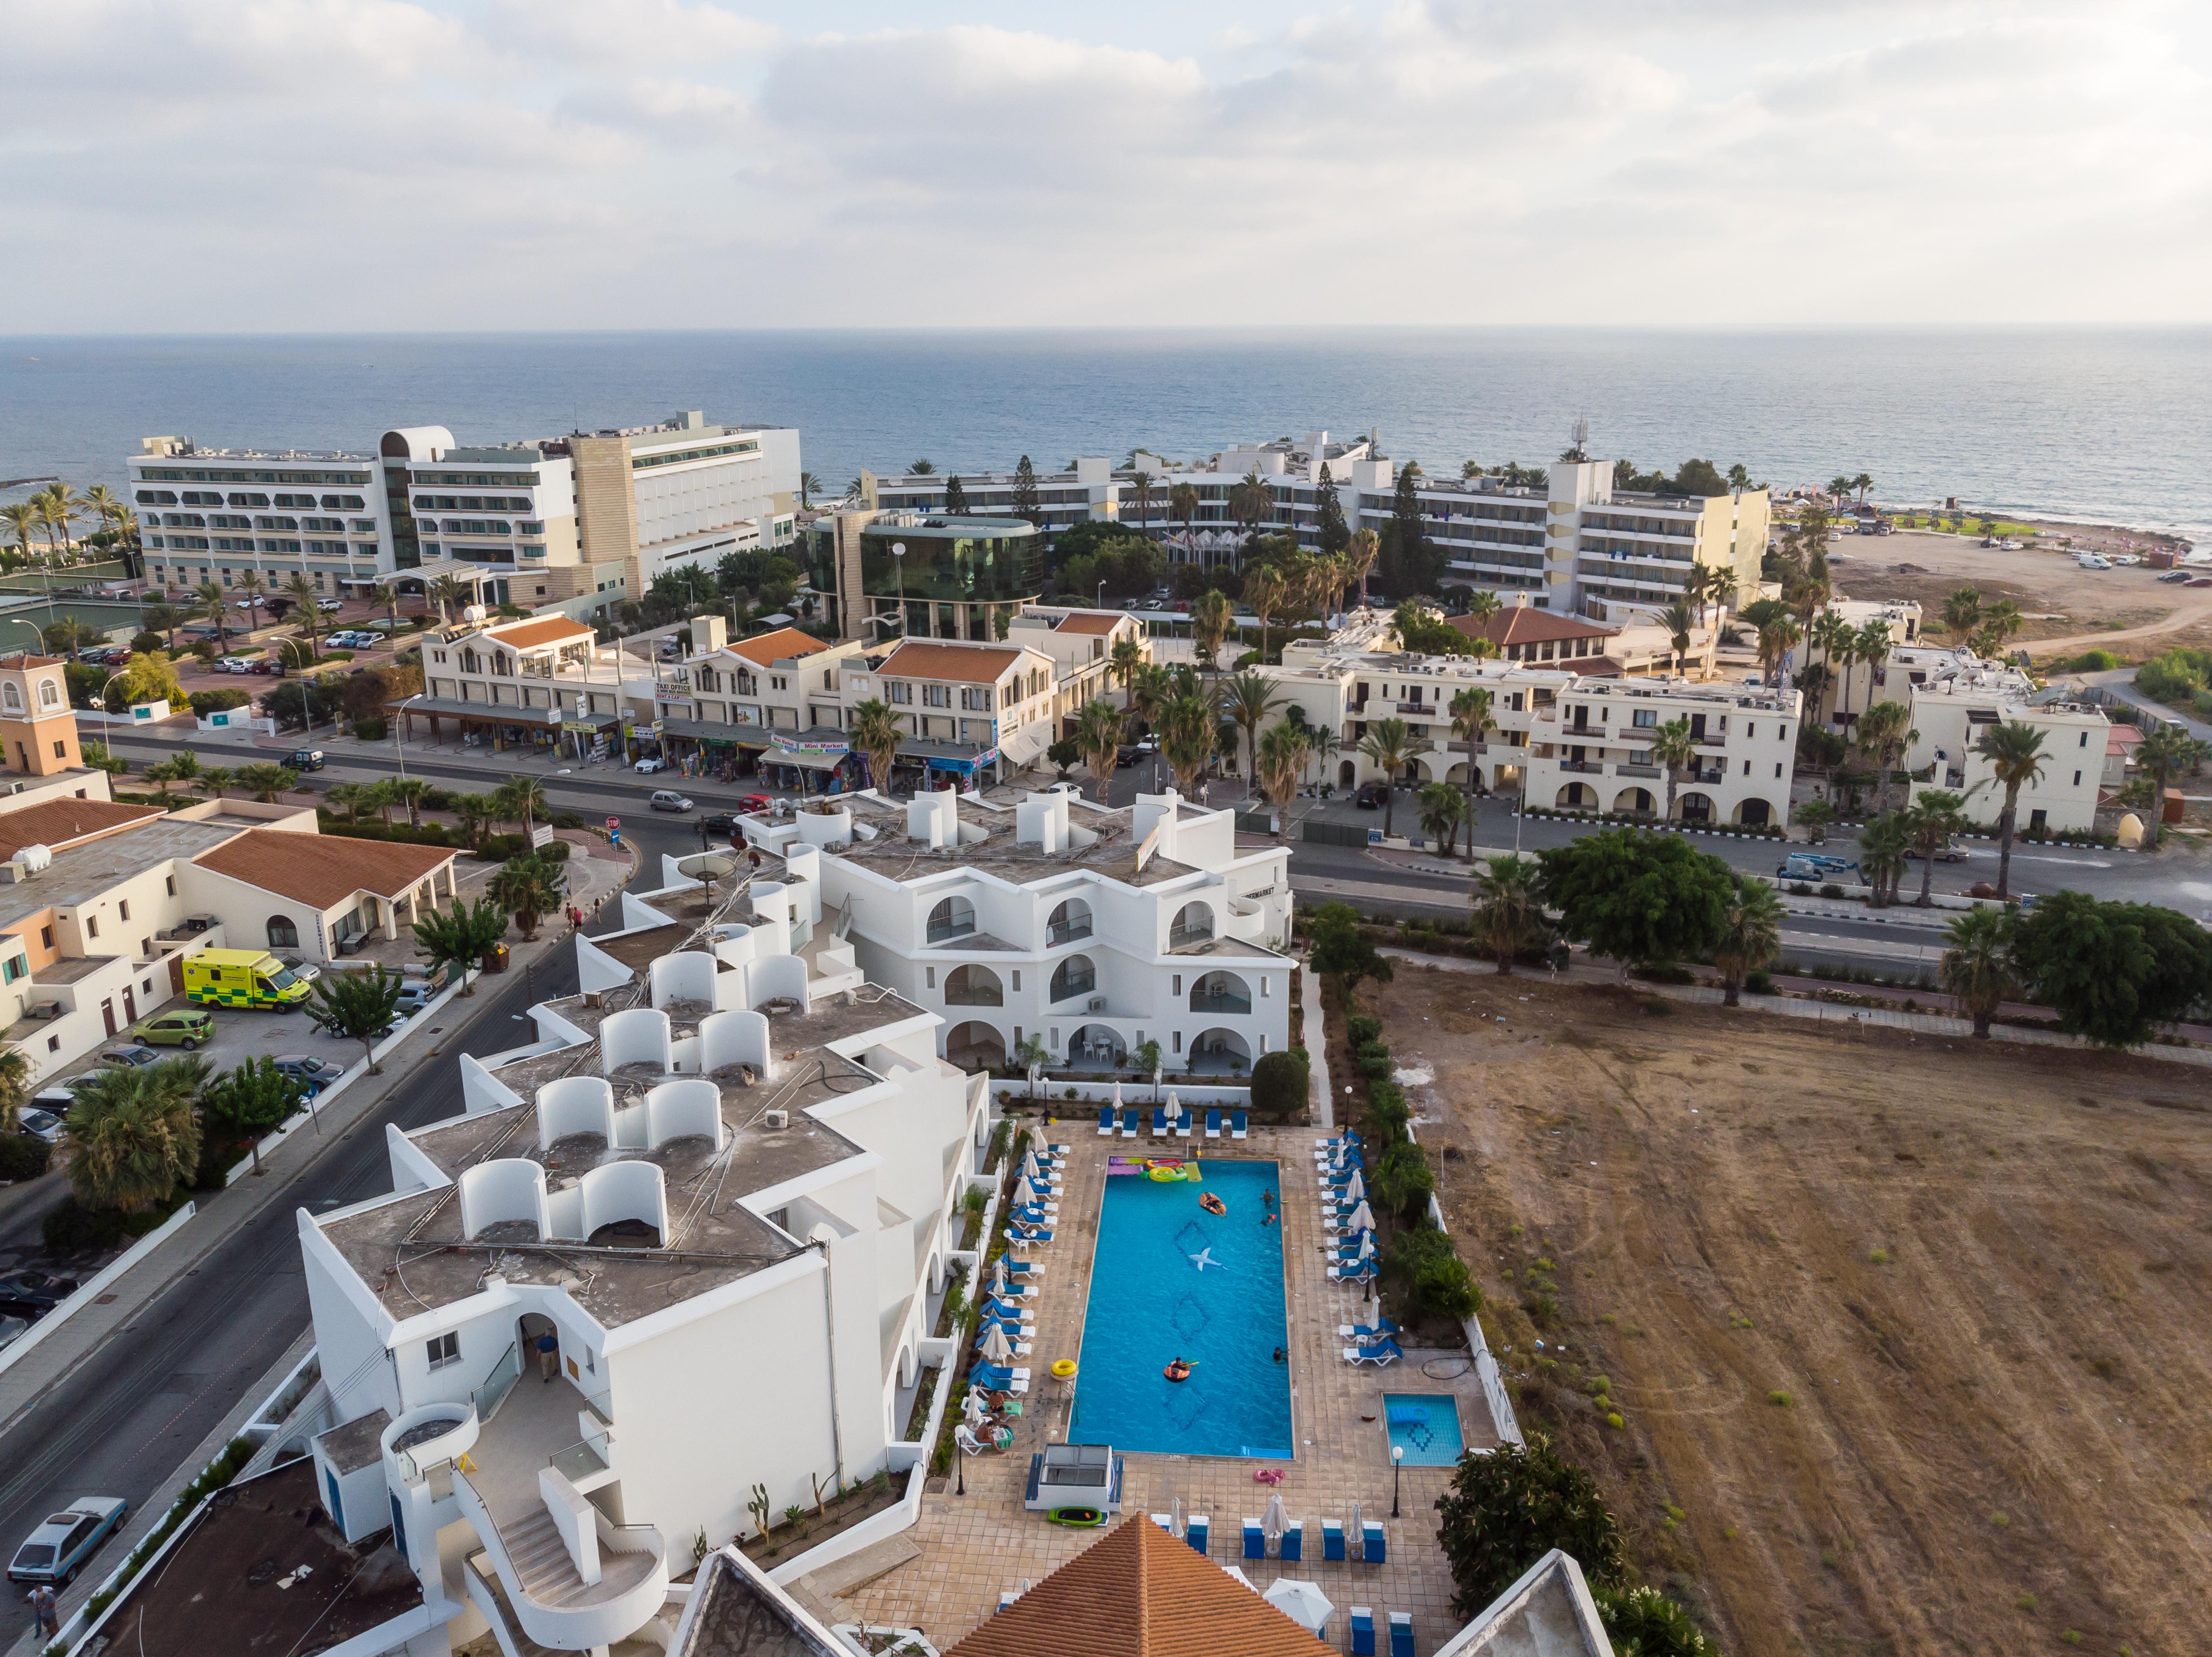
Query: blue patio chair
[(1255, 1541), (1159, 1121), (1105, 1119), (1382, 1353), (1213, 1125), (999, 1378), (1030, 1269), (1237, 1123), (1293, 1545), (1372, 1549), (1402, 1633), (1359, 1273), (1196, 1530), (1363, 1631), (1028, 1233), (1332, 1540), (1014, 1339)]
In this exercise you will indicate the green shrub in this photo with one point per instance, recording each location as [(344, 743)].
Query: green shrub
[(370, 729), (2175, 675), (1505, 1511), (1359, 1030), (22, 1158), (1758, 982), (1779, 1399), (147, 643), (1403, 1179), (1659, 1007), (71, 1226), (1376, 1069), (1280, 1083), (205, 703), (1436, 1282)]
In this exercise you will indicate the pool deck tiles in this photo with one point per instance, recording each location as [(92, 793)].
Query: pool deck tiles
[(975, 1545)]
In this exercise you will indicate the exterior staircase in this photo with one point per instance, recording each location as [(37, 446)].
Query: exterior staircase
[(545, 1599), (484, 1588)]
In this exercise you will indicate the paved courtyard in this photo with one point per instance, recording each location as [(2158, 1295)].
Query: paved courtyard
[(975, 1545)]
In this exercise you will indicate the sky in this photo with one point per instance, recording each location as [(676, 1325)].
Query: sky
[(271, 166)]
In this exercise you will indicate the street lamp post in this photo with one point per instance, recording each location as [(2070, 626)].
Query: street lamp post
[(898, 566), (1397, 1455), (399, 731)]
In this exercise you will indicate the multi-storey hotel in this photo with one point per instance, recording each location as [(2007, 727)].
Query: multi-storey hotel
[(580, 522), (1575, 544)]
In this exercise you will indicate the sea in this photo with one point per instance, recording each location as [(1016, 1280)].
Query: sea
[(2098, 425)]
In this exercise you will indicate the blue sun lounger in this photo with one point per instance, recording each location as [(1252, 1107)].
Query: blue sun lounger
[(1402, 1633), (1159, 1121), (1293, 1546), (1237, 1123), (1363, 1631), (994, 1376), (1105, 1119), (1332, 1540), (1213, 1125), (1255, 1541), (1364, 1333), (1372, 1549), (1382, 1353), (1030, 1269), (1028, 1233), (1196, 1530)]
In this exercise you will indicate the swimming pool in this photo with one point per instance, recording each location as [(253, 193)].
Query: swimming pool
[(1151, 1302), (1426, 1425)]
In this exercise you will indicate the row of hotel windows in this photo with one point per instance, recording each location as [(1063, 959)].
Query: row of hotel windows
[(251, 502), (192, 521), (174, 475), (245, 543), (184, 572)]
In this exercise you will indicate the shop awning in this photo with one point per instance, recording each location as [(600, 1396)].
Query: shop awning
[(811, 761), (484, 712), (727, 736)]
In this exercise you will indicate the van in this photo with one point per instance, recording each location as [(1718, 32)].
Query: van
[(1814, 866), (242, 978)]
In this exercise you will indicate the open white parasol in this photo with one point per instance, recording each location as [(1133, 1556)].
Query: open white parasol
[(1302, 1602)]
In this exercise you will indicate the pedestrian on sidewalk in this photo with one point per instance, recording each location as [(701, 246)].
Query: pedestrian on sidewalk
[(45, 1622), (549, 1352)]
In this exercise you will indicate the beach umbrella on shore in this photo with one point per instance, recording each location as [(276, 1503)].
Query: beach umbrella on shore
[(1302, 1602), (1355, 1188), (1275, 1523), (1024, 1193), (996, 1349), (1363, 1218)]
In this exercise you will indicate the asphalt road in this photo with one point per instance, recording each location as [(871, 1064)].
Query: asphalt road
[(120, 1423)]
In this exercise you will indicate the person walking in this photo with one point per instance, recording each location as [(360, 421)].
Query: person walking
[(549, 1352), (45, 1620)]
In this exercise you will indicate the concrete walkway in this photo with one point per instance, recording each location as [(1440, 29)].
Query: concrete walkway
[(1323, 1096)]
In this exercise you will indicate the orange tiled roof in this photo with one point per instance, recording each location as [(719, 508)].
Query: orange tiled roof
[(1524, 624), (323, 870), (1089, 621), (781, 645), (545, 630), (1137, 1591), (59, 823), (966, 664)]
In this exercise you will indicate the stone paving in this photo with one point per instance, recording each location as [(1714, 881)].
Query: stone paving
[(977, 1544)]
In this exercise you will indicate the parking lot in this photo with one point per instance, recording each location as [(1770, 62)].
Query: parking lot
[(239, 1036)]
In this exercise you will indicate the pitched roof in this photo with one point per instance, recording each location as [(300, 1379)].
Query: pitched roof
[(544, 630), (1089, 621), (59, 823), (779, 645), (1549, 1612), (1137, 1591), (324, 869), (933, 658), (2119, 739), (1525, 624)]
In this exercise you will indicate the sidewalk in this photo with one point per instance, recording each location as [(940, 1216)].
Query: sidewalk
[(223, 1212)]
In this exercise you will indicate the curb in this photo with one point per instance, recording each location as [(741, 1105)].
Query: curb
[(90, 1290)]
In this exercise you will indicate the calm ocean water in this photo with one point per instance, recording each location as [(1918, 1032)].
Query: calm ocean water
[(2103, 425)]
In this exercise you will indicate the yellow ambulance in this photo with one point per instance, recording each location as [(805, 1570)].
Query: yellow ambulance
[(242, 978)]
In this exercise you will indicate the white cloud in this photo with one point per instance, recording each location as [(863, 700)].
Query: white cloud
[(374, 163)]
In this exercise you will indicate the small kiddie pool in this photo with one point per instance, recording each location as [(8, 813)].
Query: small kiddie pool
[(1426, 1425)]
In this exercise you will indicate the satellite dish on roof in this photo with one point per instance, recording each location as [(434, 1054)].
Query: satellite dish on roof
[(707, 865)]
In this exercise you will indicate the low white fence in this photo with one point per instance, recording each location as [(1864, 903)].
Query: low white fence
[(1052, 1091), (1485, 1365)]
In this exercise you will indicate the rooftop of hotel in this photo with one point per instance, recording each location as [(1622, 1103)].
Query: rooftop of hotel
[(999, 852), (79, 874)]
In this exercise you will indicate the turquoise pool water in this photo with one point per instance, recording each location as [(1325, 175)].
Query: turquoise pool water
[(1151, 1302), (1426, 1425)]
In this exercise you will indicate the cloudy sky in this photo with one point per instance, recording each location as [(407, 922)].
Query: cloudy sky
[(252, 165)]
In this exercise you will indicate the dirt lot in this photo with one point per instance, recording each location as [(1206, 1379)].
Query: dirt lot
[(1982, 1276)]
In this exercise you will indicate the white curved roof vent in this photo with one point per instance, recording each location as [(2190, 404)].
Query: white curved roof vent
[(34, 858)]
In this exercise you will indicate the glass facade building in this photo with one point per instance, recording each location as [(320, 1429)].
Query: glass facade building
[(953, 574)]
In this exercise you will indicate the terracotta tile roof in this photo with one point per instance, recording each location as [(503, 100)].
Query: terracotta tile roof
[(545, 630), (1089, 621), (19, 660), (2121, 738), (779, 645), (968, 663), (1524, 624), (324, 869), (59, 823), (1138, 1593)]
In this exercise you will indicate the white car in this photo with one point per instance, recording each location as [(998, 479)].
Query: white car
[(645, 768), (329, 606), (252, 603), (234, 664), (2124, 558)]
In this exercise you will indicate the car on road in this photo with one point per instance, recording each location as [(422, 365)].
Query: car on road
[(32, 1294), (667, 799), (647, 766), (182, 1027), (12, 1329), (720, 822), (752, 803), (1817, 865), (2200, 581), (1951, 852), (56, 1551), (304, 759), (2174, 577), (129, 1057), (311, 1073), (40, 1123), (1372, 796)]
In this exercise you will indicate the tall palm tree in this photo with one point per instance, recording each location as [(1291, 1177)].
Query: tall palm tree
[(1678, 622), (133, 1136), (1482, 603), (1507, 917), (448, 590), (1880, 734), (1282, 760), (1442, 809), (1247, 699), (304, 594), (524, 799), (874, 730), (1183, 502), (101, 502), (1885, 846), (1359, 556), (21, 517), (1252, 503), (54, 515), (2164, 754), (1123, 661), (1978, 967), (1870, 645), (1187, 727), (808, 485), (1751, 935), (1862, 483), (1390, 746), (1209, 623), (215, 605), (1962, 614), (1265, 590), (1777, 639), (1140, 496), (1676, 750), (1322, 746), (251, 586), (1099, 735), (2014, 751), (387, 597), (1932, 819), (14, 1082), (1471, 723)]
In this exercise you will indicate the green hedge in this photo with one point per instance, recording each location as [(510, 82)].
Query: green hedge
[(70, 1225), (205, 703), (22, 1158), (493, 849)]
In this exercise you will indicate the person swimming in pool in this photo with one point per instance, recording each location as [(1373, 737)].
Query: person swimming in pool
[(1177, 1369), (1278, 1355), (1266, 1219), (1267, 1198)]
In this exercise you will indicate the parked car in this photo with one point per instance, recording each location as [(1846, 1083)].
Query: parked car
[(268, 666), (1951, 852), (183, 1027), (667, 799), (1372, 796), (2200, 581), (12, 1329), (1818, 866), (2174, 577), (305, 759), (129, 1057), (720, 822), (56, 1551), (32, 1294), (314, 1074), (414, 995), (40, 1123), (232, 664), (752, 803), (329, 606), (647, 766)]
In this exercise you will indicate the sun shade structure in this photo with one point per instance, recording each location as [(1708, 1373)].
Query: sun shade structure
[(1137, 1591), (1302, 1602)]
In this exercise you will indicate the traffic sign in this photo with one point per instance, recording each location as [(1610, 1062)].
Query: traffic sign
[(613, 823)]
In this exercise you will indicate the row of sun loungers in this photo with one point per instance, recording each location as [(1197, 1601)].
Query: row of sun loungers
[(1239, 1123), (1362, 1632)]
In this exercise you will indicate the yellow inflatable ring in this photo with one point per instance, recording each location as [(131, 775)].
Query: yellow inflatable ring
[(1062, 1369)]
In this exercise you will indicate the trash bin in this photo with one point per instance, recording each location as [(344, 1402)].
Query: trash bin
[(495, 959)]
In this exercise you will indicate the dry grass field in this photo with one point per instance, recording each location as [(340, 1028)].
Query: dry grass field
[(1910, 1340)]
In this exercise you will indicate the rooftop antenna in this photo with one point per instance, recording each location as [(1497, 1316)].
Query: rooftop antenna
[(1580, 450)]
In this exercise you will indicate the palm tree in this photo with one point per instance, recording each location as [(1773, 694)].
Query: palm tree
[(1506, 916), (1777, 639), (386, 596), (1360, 558), (14, 1082), (1252, 503), (1870, 645), (1390, 746), (345, 796), (1884, 844), (1471, 722), (1978, 967), (299, 587), (524, 799), (2164, 753), (1675, 749), (408, 791), (63, 506), (265, 781), (1209, 624), (922, 469), (1140, 496), (1246, 700), (1187, 725), (1751, 935), (449, 590), (874, 730), (1839, 486), (475, 810), (809, 485), (21, 517), (101, 502), (1862, 483), (2013, 750), (1282, 758), (1962, 614), (1482, 603), (215, 605), (1442, 808), (217, 779), (1099, 735), (1932, 819), (133, 1137), (1183, 502), (1678, 622), (527, 887), (1322, 746), (1880, 734), (1265, 590)]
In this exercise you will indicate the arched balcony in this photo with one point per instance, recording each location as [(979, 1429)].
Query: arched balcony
[(1193, 923), (1220, 1052), (1070, 922), (1076, 975), (1220, 992), (974, 985), (975, 1045), (1096, 1046), (953, 917)]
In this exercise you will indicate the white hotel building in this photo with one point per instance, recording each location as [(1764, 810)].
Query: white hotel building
[(729, 1170), (1092, 930), (1578, 545)]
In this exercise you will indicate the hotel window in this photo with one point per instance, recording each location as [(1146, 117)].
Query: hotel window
[(15, 967), (445, 1349)]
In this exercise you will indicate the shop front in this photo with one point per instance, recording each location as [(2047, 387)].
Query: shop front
[(480, 724), (819, 761)]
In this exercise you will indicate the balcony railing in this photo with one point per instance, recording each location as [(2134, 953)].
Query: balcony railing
[(1232, 1003), (1067, 988), (941, 931), (1636, 770), (974, 995), (1181, 937), (1066, 932), (1589, 767)]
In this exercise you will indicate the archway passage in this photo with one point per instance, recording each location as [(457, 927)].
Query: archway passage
[(1347, 773), (1096, 1047), (1220, 1052), (1075, 975), (976, 1046), (1220, 992), (1071, 920), (1754, 813), (974, 985), (1193, 923), (953, 917), (1638, 800), (1695, 808), (1577, 796)]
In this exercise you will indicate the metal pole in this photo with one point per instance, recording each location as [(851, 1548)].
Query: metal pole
[(1397, 1456)]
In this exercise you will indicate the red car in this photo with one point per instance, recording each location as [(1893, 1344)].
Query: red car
[(753, 803)]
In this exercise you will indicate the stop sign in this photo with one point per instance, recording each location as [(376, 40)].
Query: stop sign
[(613, 823)]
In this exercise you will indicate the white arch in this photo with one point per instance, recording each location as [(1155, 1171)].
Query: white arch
[(575, 1104), (1192, 922), (1214, 1050), (507, 1188), (737, 1037), (625, 1190), (1683, 802), (952, 917), (1219, 992), (776, 976), (1636, 799), (1071, 919), (637, 1036), (1076, 974), (1753, 811), (683, 1109), (684, 976), (1576, 796), (972, 984)]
